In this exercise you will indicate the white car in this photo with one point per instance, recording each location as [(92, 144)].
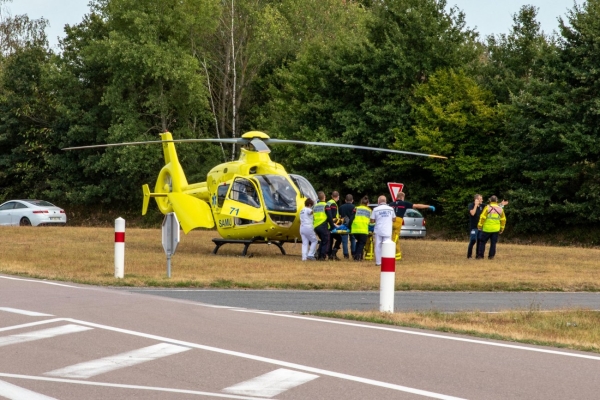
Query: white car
[(31, 213)]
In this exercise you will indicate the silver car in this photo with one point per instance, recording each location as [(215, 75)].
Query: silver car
[(413, 224), (31, 213)]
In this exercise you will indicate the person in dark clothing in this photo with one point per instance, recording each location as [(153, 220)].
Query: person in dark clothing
[(400, 206), (322, 223), (475, 209), (333, 213), (346, 212)]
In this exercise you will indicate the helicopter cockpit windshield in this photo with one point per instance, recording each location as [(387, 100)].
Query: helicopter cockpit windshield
[(306, 189), (278, 193)]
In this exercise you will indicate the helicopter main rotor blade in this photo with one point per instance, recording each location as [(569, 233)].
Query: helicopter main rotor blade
[(236, 141), (350, 146)]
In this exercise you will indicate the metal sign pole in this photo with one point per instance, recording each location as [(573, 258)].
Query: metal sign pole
[(168, 266)]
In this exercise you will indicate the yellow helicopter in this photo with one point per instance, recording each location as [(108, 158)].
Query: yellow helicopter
[(251, 200)]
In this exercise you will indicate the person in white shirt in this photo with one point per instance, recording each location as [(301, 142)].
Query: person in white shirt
[(383, 216), (307, 231)]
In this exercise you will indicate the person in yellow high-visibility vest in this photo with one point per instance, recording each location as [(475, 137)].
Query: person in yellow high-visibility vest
[(491, 224), (400, 206), (359, 222)]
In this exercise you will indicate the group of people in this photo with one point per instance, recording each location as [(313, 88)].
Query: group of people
[(485, 223), (320, 223)]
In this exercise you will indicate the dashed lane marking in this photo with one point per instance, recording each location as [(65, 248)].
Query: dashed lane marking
[(13, 392), (25, 312), (271, 384), (123, 386), (273, 361), (30, 324), (42, 334), (107, 364)]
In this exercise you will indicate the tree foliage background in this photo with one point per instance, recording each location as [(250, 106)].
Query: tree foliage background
[(517, 114)]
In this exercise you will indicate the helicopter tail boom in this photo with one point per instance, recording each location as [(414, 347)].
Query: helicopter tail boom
[(173, 194)]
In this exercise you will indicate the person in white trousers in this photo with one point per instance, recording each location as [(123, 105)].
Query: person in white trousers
[(383, 216), (307, 231)]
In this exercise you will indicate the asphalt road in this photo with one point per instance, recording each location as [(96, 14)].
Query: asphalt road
[(311, 300), (62, 341)]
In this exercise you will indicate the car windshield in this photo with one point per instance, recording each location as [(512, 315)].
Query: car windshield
[(278, 193), (40, 203)]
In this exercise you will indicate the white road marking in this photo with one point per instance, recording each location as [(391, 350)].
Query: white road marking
[(107, 364), (39, 281), (30, 324), (273, 361), (13, 392), (432, 335), (271, 384), (122, 386), (43, 334), (25, 312)]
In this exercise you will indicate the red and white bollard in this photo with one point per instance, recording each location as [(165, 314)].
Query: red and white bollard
[(119, 247), (388, 276)]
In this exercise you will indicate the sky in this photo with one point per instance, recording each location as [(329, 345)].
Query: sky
[(486, 16)]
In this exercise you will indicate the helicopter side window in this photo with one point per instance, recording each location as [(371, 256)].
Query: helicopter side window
[(243, 191), (221, 193)]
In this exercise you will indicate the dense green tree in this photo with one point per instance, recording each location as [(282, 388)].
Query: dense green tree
[(456, 117), (27, 111), (512, 59), (26, 105), (554, 144), (131, 66), (356, 90)]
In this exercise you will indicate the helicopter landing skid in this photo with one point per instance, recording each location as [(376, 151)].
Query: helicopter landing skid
[(220, 242)]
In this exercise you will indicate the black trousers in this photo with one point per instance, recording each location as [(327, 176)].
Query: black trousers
[(361, 240), (335, 242), (323, 233), (483, 238)]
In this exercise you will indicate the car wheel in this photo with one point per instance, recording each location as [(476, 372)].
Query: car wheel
[(25, 222)]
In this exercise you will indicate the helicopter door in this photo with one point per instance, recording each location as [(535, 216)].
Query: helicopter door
[(242, 201)]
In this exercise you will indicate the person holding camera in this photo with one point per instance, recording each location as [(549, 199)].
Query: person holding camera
[(475, 208)]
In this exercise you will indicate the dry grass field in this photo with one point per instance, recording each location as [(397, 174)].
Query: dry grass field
[(574, 329), (86, 255)]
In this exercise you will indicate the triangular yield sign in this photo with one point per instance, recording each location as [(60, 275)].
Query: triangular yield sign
[(394, 189)]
